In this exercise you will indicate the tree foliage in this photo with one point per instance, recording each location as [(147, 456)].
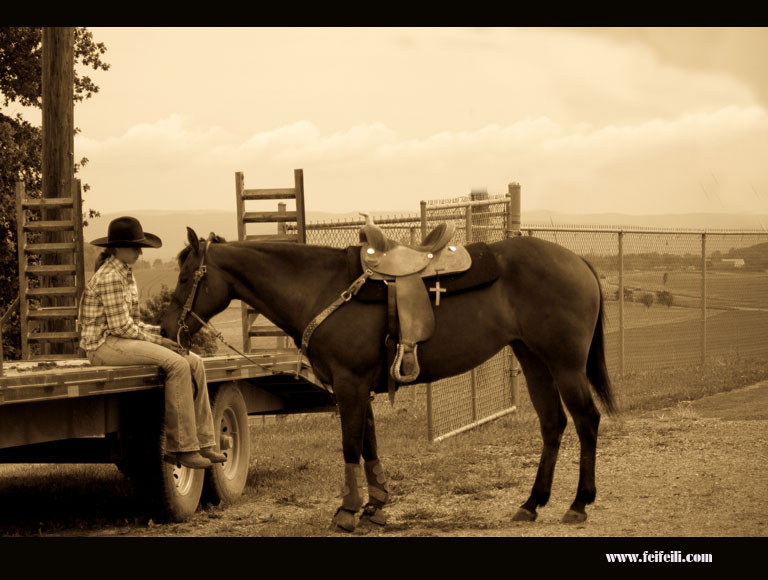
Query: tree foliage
[(21, 143), (203, 342)]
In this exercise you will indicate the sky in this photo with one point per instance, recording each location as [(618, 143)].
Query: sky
[(609, 120)]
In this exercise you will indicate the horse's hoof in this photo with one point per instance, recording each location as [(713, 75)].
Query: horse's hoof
[(373, 518), (574, 517), (523, 515), (343, 521)]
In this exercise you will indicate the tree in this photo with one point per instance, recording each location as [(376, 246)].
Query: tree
[(203, 342), (664, 297), (21, 143), (647, 300)]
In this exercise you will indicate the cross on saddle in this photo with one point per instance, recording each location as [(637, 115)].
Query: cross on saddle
[(437, 290)]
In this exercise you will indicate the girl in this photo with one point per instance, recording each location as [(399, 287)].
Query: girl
[(111, 334)]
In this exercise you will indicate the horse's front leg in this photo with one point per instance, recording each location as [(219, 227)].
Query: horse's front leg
[(353, 407), (378, 493)]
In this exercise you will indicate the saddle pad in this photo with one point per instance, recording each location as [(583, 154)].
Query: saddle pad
[(483, 271)]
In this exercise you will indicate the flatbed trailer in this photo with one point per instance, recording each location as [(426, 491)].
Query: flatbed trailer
[(70, 411)]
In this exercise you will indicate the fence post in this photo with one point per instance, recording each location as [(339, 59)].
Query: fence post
[(468, 223), (620, 296), (473, 388), (423, 212), (513, 211), (281, 342), (513, 230), (430, 413), (703, 298), (479, 234)]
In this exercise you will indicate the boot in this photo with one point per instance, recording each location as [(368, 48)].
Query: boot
[(191, 459), (214, 457)]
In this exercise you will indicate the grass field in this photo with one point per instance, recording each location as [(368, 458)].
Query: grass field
[(724, 288), (294, 478)]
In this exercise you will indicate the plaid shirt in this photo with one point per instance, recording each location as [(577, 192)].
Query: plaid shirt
[(110, 305)]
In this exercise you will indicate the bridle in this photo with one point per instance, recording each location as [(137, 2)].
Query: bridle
[(186, 308)]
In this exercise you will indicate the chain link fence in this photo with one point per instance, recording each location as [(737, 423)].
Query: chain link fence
[(689, 297), (672, 297)]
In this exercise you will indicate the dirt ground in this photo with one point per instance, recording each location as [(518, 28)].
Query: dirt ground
[(695, 470)]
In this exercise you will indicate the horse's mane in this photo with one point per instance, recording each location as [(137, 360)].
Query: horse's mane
[(216, 239)]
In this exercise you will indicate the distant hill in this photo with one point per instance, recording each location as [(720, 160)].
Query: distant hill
[(171, 226), (707, 221)]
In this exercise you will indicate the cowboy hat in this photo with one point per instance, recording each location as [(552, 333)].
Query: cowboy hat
[(126, 232)]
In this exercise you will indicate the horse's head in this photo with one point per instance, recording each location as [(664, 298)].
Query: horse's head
[(200, 293)]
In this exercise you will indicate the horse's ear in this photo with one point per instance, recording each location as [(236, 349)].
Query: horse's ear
[(193, 239)]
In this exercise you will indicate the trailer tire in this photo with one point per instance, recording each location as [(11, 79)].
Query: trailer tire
[(168, 492), (225, 482), (180, 490)]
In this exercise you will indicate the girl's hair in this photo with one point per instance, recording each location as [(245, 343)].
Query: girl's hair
[(103, 257)]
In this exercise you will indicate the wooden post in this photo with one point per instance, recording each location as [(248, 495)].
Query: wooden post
[(58, 160), (240, 209), (301, 229), (240, 204), (58, 166), (281, 342)]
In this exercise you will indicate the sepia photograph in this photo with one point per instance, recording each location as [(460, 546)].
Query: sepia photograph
[(507, 285)]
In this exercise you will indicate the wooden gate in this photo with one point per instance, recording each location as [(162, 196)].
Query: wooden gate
[(254, 326)]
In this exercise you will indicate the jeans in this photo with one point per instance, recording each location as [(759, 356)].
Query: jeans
[(188, 418)]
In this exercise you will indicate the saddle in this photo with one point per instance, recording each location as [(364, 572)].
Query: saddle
[(402, 267)]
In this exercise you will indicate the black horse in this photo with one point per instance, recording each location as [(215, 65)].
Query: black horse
[(546, 304)]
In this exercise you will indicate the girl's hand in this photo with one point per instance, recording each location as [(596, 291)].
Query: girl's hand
[(173, 345)]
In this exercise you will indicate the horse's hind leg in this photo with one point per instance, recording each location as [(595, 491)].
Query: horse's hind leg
[(552, 419), (359, 438), (574, 389)]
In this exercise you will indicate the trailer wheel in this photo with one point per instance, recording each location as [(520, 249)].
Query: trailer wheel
[(225, 482), (180, 490), (168, 492)]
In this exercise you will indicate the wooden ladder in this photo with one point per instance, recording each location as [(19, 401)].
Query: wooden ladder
[(48, 308), (294, 218)]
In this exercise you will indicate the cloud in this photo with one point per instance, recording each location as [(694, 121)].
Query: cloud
[(650, 167), (734, 51)]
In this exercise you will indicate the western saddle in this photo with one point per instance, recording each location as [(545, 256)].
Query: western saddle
[(402, 267)]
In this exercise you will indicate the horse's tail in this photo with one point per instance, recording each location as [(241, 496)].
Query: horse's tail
[(597, 372)]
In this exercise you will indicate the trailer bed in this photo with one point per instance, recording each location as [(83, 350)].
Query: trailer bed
[(28, 381), (43, 402)]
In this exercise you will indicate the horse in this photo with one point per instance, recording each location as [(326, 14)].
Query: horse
[(546, 304)]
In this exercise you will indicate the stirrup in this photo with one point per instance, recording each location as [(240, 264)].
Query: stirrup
[(397, 364)]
